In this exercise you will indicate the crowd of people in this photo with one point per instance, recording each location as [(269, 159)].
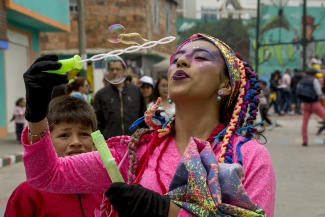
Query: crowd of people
[(217, 94), (300, 93)]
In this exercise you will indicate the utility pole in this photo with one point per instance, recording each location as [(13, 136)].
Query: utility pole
[(81, 31), (257, 34), (304, 40)]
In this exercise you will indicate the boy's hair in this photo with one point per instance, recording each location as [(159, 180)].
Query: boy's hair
[(71, 109)]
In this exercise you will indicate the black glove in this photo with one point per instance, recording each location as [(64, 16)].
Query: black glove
[(135, 200), (39, 86)]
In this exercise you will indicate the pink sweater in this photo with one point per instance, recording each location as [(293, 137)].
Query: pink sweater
[(85, 173)]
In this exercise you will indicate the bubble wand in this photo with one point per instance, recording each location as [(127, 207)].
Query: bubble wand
[(116, 35), (106, 156)]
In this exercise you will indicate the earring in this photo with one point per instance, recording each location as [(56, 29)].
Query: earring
[(220, 92), (169, 100)]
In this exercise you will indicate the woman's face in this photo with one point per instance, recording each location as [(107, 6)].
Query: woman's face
[(84, 88), (146, 90), (197, 71), (163, 88)]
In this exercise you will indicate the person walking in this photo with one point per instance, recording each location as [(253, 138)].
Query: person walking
[(309, 91)]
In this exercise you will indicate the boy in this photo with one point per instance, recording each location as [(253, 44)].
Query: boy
[(71, 121)]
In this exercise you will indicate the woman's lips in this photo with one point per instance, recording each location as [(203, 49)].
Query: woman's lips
[(180, 75)]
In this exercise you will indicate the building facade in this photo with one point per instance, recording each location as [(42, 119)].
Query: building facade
[(152, 19), (20, 24)]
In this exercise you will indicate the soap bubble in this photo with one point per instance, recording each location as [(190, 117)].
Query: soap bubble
[(115, 33), (114, 69)]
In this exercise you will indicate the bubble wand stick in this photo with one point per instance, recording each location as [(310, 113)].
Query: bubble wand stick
[(106, 156)]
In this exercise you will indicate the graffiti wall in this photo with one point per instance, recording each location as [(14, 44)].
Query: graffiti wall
[(277, 25)]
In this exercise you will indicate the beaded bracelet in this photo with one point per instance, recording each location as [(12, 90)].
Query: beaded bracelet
[(37, 135)]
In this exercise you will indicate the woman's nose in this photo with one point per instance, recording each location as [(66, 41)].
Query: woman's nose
[(183, 62)]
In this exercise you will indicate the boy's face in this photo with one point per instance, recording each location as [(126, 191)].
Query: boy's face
[(71, 139)]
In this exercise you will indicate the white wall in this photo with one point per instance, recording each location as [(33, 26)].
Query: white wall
[(16, 63)]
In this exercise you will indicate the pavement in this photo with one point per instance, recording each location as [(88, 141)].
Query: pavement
[(300, 171), (11, 150)]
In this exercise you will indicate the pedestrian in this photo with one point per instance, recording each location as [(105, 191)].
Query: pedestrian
[(274, 92), (72, 121), (264, 103), (19, 117), (286, 82), (295, 101), (212, 90), (309, 91), (117, 106), (147, 87), (161, 90), (79, 87)]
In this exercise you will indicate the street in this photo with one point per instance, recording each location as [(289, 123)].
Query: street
[(299, 170)]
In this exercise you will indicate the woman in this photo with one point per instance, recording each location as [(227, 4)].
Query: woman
[(274, 90), (212, 90), (147, 88), (79, 88), (161, 90)]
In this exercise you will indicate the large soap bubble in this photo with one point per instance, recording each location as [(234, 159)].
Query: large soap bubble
[(114, 69)]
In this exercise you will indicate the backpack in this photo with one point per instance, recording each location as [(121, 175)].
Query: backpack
[(305, 89)]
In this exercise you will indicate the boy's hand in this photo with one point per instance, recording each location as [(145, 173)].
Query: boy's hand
[(39, 86), (135, 200)]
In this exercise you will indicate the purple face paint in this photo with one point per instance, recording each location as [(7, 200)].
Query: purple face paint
[(196, 54)]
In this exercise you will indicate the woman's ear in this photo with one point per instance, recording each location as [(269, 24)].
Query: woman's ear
[(225, 87)]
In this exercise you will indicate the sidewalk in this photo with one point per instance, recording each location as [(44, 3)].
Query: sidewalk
[(10, 150)]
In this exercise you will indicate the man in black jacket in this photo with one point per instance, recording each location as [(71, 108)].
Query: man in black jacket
[(118, 105)]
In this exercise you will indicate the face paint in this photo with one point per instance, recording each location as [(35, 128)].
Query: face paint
[(199, 55)]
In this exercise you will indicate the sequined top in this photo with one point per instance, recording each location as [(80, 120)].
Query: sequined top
[(85, 173)]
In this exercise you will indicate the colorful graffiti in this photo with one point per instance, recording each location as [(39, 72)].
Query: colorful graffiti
[(277, 26)]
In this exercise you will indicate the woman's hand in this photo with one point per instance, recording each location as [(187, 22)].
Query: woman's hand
[(39, 86), (135, 200)]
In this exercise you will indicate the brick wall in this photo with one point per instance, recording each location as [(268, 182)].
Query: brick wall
[(135, 16), (3, 21)]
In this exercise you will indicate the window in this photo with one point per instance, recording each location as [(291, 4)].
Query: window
[(73, 6), (208, 13), (168, 19), (156, 15)]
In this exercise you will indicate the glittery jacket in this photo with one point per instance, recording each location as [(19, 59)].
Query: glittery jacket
[(85, 173)]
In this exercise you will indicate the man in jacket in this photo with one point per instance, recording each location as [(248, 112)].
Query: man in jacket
[(118, 105)]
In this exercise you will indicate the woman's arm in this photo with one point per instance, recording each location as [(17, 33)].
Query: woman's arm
[(84, 173), (259, 179)]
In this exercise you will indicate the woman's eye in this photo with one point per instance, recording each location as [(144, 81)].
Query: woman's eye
[(174, 61), (200, 58)]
